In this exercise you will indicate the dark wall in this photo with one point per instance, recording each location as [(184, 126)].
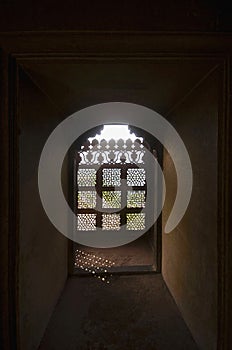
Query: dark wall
[(166, 15), (190, 258), (42, 249)]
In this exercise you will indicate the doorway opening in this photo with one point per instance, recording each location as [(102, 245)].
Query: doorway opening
[(109, 168)]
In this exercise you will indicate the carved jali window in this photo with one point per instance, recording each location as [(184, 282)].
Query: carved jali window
[(110, 186)]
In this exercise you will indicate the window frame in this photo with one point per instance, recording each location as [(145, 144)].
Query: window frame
[(154, 232)]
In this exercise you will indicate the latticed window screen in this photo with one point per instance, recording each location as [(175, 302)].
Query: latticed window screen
[(86, 199), (111, 221), (111, 175), (136, 199)]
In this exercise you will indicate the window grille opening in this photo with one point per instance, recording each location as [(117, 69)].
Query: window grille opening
[(109, 192)]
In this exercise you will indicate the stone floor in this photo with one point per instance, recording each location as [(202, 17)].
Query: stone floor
[(136, 253), (131, 312)]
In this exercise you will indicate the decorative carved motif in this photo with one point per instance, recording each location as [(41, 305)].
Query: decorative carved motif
[(111, 177), (86, 199), (124, 154), (86, 177), (111, 199), (135, 221), (136, 199), (112, 152), (86, 222), (136, 177), (111, 222)]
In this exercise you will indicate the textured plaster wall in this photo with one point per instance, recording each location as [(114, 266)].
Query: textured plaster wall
[(190, 251), (43, 250)]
